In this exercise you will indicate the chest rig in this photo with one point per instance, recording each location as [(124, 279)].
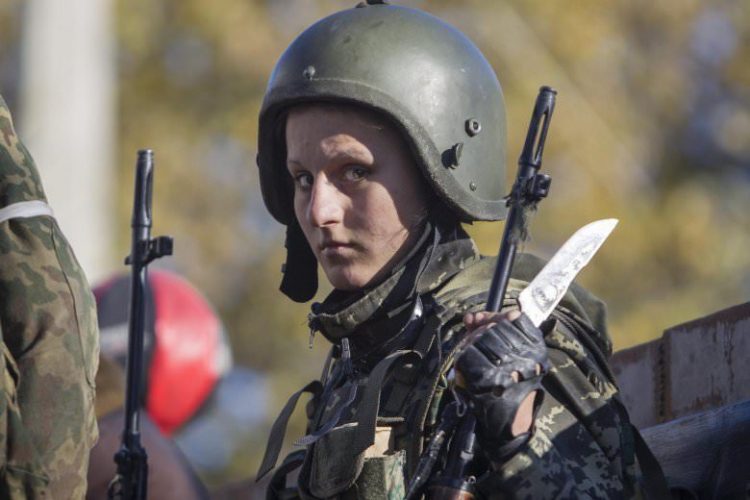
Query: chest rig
[(402, 388), (379, 394)]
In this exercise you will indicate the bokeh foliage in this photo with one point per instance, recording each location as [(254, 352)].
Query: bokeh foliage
[(652, 127)]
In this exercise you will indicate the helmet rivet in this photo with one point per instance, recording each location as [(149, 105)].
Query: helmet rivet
[(309, 72), (452, 157), (473, 186), (473, 127)]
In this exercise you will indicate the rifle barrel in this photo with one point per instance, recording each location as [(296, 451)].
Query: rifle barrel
[(141, 234), (527, 190), (132, 460)]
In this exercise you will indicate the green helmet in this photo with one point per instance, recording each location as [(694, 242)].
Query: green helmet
[(430, 80)]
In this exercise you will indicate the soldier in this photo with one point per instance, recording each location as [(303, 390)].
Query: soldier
[(381, 131), (50, 339)]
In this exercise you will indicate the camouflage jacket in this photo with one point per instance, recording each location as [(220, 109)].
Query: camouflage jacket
[(50, 339), (371, 416)]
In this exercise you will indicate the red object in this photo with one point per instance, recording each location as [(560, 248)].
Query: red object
[(183, 368), (188, 349)]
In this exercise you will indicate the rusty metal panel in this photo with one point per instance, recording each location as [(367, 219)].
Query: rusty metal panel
[(706, 362), (694, 367), (640, 376)]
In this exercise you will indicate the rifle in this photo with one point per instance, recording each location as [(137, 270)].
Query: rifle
[(132, 460), (529, 188)]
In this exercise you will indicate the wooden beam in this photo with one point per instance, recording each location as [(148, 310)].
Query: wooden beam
[(706, 453)]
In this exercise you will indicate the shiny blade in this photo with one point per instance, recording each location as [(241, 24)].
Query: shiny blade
[(549, 286)]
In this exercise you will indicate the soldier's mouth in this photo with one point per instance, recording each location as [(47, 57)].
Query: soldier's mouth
[(335, 248)]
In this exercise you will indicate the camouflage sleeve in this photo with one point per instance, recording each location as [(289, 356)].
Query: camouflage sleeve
[(21, 473), (48, 320), (580, 446)]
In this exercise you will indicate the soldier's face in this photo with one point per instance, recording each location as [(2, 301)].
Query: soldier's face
[(358, 195)]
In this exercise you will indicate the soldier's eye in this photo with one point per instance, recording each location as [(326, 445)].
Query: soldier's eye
[(355, 172), (303, 180)]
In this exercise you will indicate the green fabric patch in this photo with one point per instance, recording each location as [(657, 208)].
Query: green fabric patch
[(383, 478)]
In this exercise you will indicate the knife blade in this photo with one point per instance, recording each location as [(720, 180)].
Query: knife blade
[(548, 287)]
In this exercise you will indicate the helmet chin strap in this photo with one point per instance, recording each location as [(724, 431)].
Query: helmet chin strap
[(300, 281)]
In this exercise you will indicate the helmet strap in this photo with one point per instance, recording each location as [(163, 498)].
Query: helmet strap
[(300, 281)]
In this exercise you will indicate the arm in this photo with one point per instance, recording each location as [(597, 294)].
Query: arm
[(48, 320), (575, 446)]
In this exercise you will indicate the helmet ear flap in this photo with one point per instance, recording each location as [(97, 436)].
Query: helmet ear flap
[(300, 281)]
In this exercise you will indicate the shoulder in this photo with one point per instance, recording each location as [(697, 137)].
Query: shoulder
[(20, 179), (467, 291)]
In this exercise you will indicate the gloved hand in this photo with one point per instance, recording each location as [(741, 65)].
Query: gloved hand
[(499, 370)]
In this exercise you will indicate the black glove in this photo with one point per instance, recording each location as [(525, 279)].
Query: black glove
[(487, 365)]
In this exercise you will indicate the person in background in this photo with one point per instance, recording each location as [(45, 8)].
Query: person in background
[(170, 476), (50, 339), (186, 349), (186, 357)]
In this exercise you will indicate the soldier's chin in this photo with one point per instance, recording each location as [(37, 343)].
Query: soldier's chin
[(347, 277)]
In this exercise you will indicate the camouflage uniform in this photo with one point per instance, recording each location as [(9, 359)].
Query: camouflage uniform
[(22, 474), (383, 392), (50, 340), (581, 447)]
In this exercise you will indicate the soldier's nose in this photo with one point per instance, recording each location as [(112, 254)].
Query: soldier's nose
[(324, 208)]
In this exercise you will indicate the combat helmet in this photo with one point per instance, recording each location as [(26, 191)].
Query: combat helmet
[(425, 76)]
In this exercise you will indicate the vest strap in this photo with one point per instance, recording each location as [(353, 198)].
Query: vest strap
[(367, 412), (278, 431)]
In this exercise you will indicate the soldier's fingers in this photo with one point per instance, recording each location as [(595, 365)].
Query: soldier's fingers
[(471, 320), (513, 315), (479, 319)]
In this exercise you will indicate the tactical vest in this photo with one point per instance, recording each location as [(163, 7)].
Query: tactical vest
[(399, 399)]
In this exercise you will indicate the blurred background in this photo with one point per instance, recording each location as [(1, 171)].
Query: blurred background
[(652, 126)]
